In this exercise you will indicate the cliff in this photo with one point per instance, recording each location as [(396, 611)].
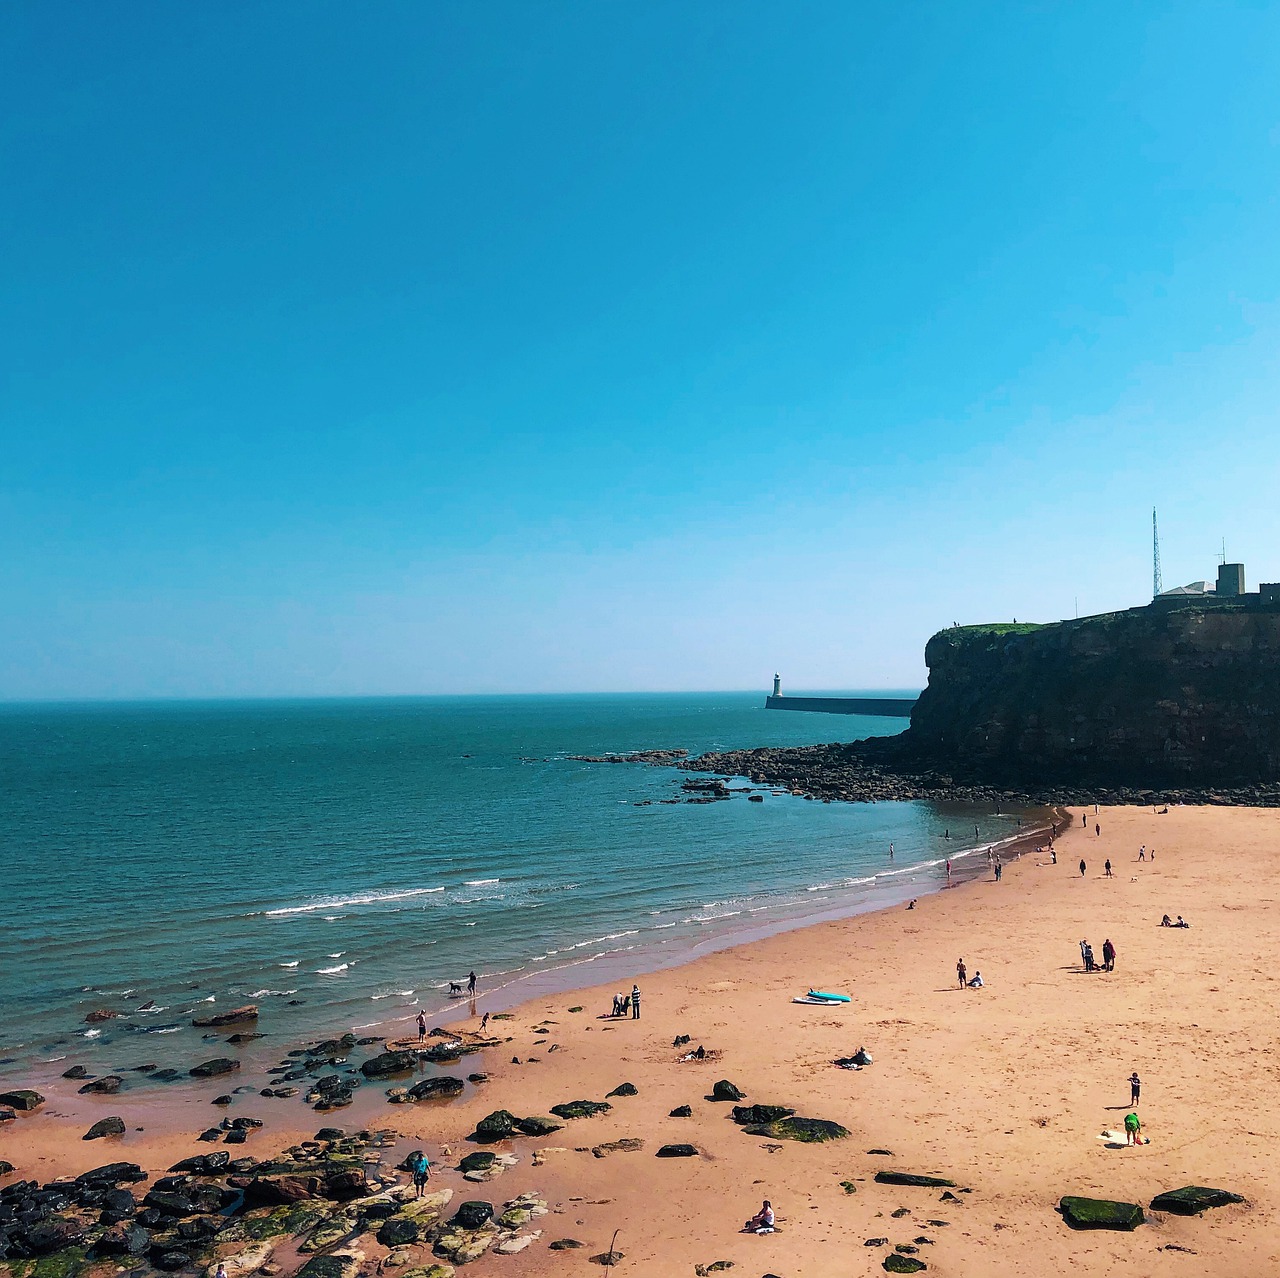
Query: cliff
[(1155, 696)]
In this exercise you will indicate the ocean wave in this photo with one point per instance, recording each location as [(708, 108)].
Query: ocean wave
[(271, 993), (338, 903), (167, 1029), (339, 954), (293, 964), (480, 882), (391, 994), (330, 971), (93, 1033)]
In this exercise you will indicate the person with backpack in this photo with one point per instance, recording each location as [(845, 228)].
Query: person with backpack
[(420, 1166)]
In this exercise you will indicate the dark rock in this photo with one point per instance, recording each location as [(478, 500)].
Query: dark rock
[(344, 1185), (810, 1131), (1099, 1213), (623, 1089), (385, 1064), (442, 1053), (102, 1014), (76, 1071), (246, 1124), (53, 1235), (107, 1085), (23, 1099), (112, 1174), (8, 1116), (399, 1232), (169, 1204), (212, 1068), (746, 1115), (537, 1125), (442, 1088), (1191, 1200), (473, 1215), (681, 1111), (566, 1244), (203, 1164), (236, 1136), (887, 1153), (122, 1240), (112, 1126), (5, 1167), (249, 1012), (876, 1242), (724, 1090), (170, 1261), (480, 1161), (120, 1203), (908, 1178), (210, 1134), (581, 1109), (895, 1263), (223, 1101), (677, 1151), (197, 1229), (477, 1078), (496, 1126), (280, 1191)]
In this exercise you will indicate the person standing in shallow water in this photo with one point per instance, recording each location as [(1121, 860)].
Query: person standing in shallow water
[(422, 1028), (471, 983)]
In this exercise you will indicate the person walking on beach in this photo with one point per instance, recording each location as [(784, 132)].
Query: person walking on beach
[(1106, 869), (1097, 829), (1084, 820), (1108, 956), (1082, 867), (948, 871), (471, 984), (999, 869), (484, 1022), (1053, 855), (422, 1029), (420, 1167), (1135, 1088), (1142, 853), (962, 972)]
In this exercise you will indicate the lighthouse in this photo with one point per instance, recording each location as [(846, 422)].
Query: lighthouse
[(777, 685)]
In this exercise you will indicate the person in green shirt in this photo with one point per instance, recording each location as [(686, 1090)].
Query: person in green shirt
[(1132, 1130)]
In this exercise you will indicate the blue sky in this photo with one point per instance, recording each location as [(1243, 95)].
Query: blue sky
[(532, 347)]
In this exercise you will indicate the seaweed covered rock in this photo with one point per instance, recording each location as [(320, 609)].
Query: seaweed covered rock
[(399, 1231), (112, 1126), (1191, 1200), (443, 1088), (746, 1115), (472, 1215), (895, 1263), (23, 1099), (536, 1125), (481, 1160), (810, 1131), (1099, 1213), (910, 1178), (581, 1109), (496, 1126)]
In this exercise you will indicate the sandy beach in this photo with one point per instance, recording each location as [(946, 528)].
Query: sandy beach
[(1005, 1090)]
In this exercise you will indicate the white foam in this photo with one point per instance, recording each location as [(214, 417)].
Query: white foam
[(293, 964), (480, 882), (271, 993), (92, 1033), (372, 898), (330, 971)]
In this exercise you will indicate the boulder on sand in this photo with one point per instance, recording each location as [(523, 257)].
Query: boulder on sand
[(107, 1085), (113, 1126), (623, 1089), (24, 1099), (1190, 1200), (909, 1178), (809, 1131), (496, 1126), (387, 1063), (1099, 1213), (441, 1088), (745, 1115), (678, 1151), (581, 1109), (473, 1215), (724, 1090), (536, 1125)]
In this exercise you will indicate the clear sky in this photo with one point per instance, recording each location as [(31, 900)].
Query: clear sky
[(453, 347)]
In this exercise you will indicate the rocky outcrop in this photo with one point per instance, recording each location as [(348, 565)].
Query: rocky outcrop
[(809, 1131), (581, 1109), (24, 1099), (213, 1068), (1099, 1213), (236, 1016), (910, 1178), (1191, 1200)]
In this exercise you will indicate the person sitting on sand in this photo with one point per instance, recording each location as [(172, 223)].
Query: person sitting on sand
[(911, 904), (1181, 922), (1132, 1130), (976, 983), (762, 1221), (862, 1057), (1166, 921)]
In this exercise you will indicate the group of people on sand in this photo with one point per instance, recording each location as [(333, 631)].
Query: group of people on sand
[(1091, 964), (1164, 922), (624, 1003), (974, 982)]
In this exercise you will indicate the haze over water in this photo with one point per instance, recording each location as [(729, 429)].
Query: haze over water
[(359, 855)]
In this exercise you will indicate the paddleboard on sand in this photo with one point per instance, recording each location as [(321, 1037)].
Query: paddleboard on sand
[(817, 1002), (828, 998)]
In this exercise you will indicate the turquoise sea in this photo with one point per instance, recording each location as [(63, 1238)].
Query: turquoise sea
[(339, 862)]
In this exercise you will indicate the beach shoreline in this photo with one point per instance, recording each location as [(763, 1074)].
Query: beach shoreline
[(1005, 1090)]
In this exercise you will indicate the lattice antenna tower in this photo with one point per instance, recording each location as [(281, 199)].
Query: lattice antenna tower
[(1157, 585)]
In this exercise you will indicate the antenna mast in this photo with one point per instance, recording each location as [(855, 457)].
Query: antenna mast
[(1156, 584)]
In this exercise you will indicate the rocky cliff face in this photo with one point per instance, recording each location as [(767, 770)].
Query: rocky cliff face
[(1188, 696)]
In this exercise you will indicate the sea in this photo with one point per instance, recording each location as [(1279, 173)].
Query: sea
[(340, 862)]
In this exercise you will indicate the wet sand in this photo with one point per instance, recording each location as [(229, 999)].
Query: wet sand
[(1004, 1090)]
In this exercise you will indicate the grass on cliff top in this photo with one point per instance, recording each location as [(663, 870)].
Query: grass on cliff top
[(997, 628)]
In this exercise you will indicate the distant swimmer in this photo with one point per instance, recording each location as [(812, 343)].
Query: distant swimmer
[(890, 851)]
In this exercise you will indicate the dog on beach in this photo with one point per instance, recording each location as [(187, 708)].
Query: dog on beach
[(455, 987)]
